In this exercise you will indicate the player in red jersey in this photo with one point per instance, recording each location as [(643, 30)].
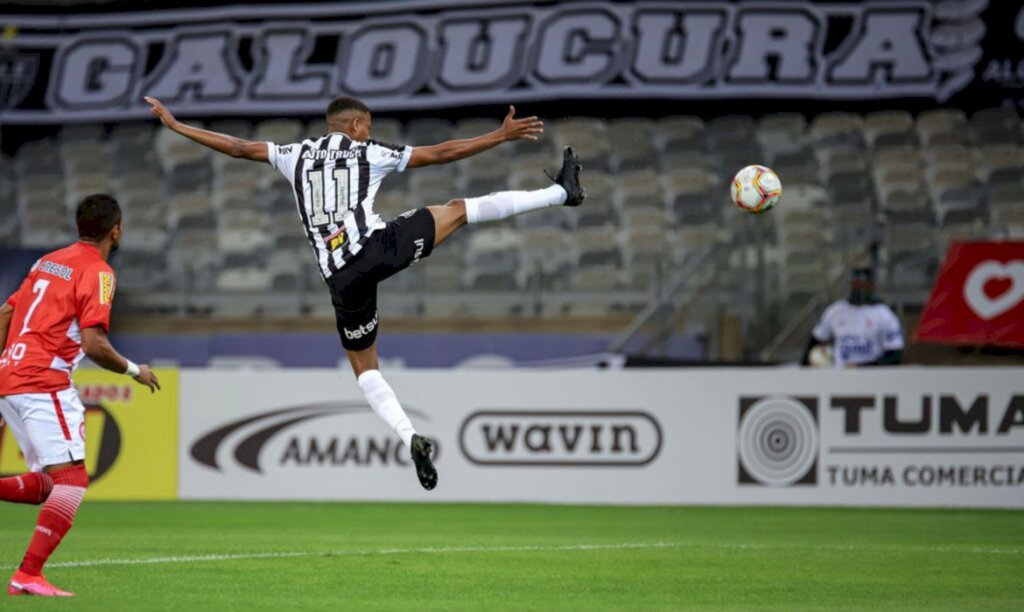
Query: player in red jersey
[(60, 313)]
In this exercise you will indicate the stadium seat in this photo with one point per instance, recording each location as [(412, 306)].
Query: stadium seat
[(132, 131), (243, 279), (546, 257), (234, 239), (698, 208), (492, 259), (145, 239), (140, 269), (84, 133), (885, 123), (387, 130), (940, 120), (599, 247), (597, 278), (598, 211), (390, 204), (782, 133), (318, 128), (279, 131), (425, 132)]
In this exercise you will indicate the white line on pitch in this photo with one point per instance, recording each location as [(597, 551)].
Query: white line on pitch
[(384, 551), (538, 548)]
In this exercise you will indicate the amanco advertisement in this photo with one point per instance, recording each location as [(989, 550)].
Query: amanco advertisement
[(901, 437)]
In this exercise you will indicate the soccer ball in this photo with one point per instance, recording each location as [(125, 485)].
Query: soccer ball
[(756, 189), (821, 356)]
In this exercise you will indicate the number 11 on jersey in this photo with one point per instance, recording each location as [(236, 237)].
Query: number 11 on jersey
[(323, 212)]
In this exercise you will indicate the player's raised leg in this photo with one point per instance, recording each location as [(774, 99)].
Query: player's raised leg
[(566, 191), (385, 404)]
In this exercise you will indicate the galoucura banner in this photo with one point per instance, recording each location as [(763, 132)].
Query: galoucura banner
[(289, 58), (978, 298)]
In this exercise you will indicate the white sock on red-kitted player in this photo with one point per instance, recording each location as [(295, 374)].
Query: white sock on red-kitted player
[(504, 204), (385, 404)]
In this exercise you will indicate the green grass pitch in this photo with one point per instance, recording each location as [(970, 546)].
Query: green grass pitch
[(313, 556)]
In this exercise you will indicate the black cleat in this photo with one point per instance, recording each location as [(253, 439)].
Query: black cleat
[(569, 178), (422, 448)]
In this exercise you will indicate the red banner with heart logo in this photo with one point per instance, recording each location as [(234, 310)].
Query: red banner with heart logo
[(978, 298)]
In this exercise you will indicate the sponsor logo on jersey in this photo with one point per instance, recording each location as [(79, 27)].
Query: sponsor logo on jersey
[(56, 269), (106, 288), (336, 240), (320, 154)]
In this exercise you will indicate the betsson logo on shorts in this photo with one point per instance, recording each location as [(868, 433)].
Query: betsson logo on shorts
[(841, 441), (362, 330), (545, 438), (286, 439), (420, 245)]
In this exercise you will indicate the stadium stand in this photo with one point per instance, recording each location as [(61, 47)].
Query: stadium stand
[(657, 193)]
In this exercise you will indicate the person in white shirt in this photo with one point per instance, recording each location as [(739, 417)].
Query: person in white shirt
[(861, 330)]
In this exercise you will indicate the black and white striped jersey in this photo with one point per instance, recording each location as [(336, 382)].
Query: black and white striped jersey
[(335, 180)]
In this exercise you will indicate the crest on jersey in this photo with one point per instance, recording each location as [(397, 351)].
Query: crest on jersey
[(106, 288), (336, 240)]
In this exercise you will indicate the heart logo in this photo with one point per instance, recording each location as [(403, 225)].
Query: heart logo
[(994, 276)]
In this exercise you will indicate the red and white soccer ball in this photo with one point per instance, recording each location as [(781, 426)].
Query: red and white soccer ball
[(756, 189)]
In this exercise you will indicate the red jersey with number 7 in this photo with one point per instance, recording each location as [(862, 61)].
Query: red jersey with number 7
[(65, 292)]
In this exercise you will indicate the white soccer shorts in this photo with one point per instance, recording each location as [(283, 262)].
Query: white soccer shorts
[(49, 427)]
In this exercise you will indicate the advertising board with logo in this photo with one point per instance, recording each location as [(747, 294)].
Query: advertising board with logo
[(978, 297), (899, 437), (310, 435), (131, 437), (288, 58)]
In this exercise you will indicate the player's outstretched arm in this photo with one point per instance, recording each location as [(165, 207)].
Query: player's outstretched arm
[(222, 143), (453, 150), (98, 348)]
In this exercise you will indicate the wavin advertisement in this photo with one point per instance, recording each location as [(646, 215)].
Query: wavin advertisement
[(898, 437), (291, 58)]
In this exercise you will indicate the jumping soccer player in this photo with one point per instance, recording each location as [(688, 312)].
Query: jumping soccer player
[(61, 312), (335, 178)]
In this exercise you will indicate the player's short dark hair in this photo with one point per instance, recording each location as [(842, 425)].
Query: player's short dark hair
[(344, 103), (97, 214)]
